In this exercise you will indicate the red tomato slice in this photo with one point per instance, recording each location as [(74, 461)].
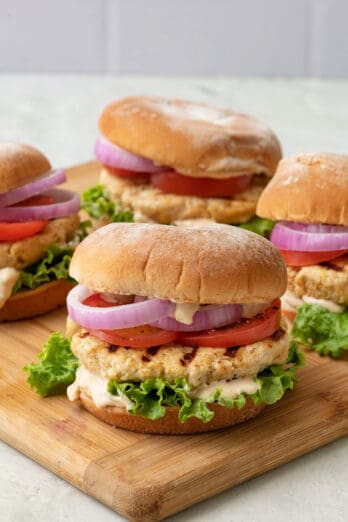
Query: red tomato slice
[(296, 258), (174, 183), (144, 336), (21, 230), (246, 331), (98, 301), (38, 200), (131, 174), (16, 231), (138, 337)]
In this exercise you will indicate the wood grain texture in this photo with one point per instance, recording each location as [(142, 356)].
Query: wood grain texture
[(148, 477)]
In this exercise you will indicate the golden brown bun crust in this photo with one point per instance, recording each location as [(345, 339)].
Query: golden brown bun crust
[(170, 424), (30, 303), (308, 188), (192, 138), (216, 264), (20, 164)]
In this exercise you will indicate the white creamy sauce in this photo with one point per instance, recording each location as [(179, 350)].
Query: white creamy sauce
[(325, 303), (230, 389), (229, 162), (8, 278), (96, 386), (184, 312), (250, 310), (292, 301)]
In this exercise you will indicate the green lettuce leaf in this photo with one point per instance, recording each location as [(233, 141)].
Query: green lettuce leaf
[(82, 231), (150, 397), (54, 264), (97, 203), (323, 331), (56, 369), (276, 379), (260, 226)]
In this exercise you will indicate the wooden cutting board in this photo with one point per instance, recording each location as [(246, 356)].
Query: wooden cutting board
[(148, 477)]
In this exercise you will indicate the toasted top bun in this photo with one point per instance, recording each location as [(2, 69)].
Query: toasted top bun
[(308, 188), (216, 264), (20, 164), (193, 138)]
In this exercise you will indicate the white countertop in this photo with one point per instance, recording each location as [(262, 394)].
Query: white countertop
[(58, 115)]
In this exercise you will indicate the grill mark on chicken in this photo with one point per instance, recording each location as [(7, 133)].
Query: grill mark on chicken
[(278, 334), (332, 266), (208, 364), (231, 351), (153, 350), (188, 357)]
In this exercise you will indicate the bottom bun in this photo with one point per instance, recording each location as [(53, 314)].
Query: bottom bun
[(30, 303), (170, 424)]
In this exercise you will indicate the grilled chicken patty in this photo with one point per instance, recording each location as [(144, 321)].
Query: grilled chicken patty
[(324, 281), (22, 253), (199, 366), (166, 208)]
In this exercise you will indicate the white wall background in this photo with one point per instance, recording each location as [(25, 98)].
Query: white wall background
[(242, 37)]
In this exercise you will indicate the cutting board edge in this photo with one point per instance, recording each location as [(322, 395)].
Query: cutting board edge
[(59, 471), (240, 480), (148, 503)]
